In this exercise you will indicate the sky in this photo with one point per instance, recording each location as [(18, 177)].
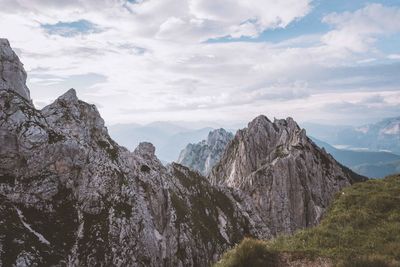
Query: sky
[(139, 61)]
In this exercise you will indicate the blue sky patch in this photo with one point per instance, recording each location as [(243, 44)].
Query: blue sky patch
[(308, 25), (70, 29)]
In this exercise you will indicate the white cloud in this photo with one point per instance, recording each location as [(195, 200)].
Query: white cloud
[(157, 66), (366, 60), (393, 56), (358, 30), (249, 17)]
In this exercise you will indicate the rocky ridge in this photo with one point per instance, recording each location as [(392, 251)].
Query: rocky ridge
[(71, 196), (205, 154), (290, 179)]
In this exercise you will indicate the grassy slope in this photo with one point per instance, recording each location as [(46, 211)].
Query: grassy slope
[(362, 228)]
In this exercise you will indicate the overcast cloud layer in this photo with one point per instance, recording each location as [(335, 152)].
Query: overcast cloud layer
[(152, 60)]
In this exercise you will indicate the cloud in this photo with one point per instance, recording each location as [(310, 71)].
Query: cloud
[(363, 106), (150, 60), (357, 31), (394, 56), (249, 17)]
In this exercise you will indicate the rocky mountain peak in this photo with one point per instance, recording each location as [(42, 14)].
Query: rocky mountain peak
[(145, 149), (259, 120), (69, 96), (12, 73), (205, 154), (75, 117), (218, 135), (284, 128), (288, 176)]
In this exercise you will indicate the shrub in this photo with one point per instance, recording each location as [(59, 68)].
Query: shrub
[(249, 252)]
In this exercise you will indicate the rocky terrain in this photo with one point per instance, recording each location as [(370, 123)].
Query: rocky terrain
[(290, 179), (204, 155), (12, 74), (72, 196)]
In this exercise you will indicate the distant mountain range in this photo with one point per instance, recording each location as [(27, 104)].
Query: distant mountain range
[(380, 136), (169, 138), (356, 147), (373, 164)]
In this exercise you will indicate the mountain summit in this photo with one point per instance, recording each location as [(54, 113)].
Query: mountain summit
[(12, 73), (204, 155), (290, 179)]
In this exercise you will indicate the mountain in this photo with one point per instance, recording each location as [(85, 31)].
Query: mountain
[(169, 138), (367, 163), (290, 179), (360, 229), (378, 170), (380, 136), (72, 196), (325, 132), (204, 155), (384, 135), (12, 73)]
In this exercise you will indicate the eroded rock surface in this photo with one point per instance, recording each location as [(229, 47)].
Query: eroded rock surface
[(290, 179), (69, 195), (12, 73)]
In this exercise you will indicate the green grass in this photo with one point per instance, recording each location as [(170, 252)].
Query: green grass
[(249, 252), (362, 228)]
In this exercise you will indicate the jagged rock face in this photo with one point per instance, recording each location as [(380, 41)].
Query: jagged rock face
[(69, 195), (289, 178), (204, 155), (12, 73)]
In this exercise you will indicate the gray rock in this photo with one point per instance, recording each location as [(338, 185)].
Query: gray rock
[(204, 155), (69, 195), (12, 73), (289, 178)]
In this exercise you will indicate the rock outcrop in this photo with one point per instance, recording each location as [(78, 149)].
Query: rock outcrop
[(69, 195), (290, 179), (12, 73), (204, 155)]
